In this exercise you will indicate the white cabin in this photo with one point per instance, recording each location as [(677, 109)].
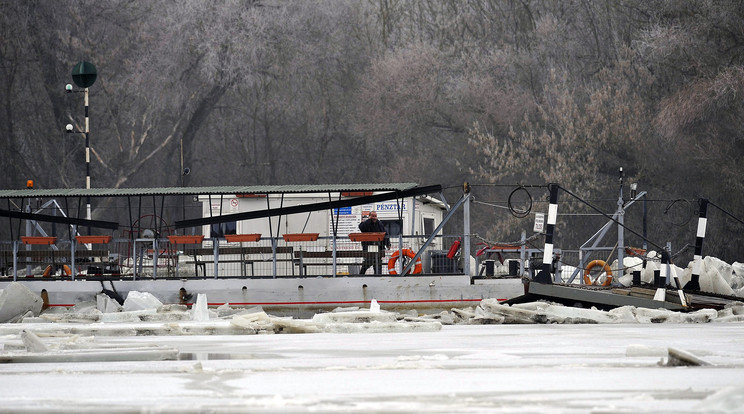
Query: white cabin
[(399, 216)]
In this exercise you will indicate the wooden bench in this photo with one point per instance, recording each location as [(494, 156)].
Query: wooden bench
[(328, 254), (50, 257), (201, 253)]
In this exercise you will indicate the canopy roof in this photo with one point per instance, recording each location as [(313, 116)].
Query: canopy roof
[(219, 190), (360, 194)]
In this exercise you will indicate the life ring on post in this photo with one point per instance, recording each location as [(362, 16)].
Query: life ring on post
[(408, 253), (66, 269), (605, 266)]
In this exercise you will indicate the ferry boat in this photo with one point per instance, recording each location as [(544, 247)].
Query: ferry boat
[(291, 249)]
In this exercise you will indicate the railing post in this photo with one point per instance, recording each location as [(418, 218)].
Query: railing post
[(216, 254), (155, 258), (15, 260), (466, 236), (134, 260), (73, 247), (522, 253)]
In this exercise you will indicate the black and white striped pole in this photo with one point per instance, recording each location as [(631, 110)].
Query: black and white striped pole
[(84, 75), (697, 261), (544, 275)]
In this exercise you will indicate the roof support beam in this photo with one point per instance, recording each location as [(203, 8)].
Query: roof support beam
[(59, 219), (309, 207)]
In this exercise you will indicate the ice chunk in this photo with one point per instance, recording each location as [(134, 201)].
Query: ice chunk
[(32, 342), (105, 304), (492, 309), (625, 280), (354, 317), (714, 282), (141, 300), (636, 350), (724, 269), (131, 316), (346, 309), (565, 314), (16, 300), (83, 312), (464, 314), (647, 274), (260, 321), (646, 315), (623, 314), (444, 317), (679, 357), (200, 310), (700, 316), (737, 308), (533, 306), (374, 306)]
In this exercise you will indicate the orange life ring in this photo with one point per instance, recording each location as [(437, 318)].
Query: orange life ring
[(605, 266), (408, 253), (65, 268)]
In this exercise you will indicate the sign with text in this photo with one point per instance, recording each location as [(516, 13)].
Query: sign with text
[(539, 223)]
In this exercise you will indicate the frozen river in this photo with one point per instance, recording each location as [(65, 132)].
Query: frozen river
[(613, 368)]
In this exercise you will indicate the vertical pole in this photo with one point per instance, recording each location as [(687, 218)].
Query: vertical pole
[(15, 260), (27, 209), (544, 275), (73, 247), (216, 255), (183, 174), (134, 259), (667, 269), (645, 230), (466, 239), (522, 252), (694, 283), (87, 156), (620, 230)]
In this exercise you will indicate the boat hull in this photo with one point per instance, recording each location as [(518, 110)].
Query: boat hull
[(295, 296)]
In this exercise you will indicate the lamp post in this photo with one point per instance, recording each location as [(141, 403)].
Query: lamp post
[(84, 75)]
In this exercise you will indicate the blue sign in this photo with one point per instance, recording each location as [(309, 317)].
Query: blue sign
[(342, 211)]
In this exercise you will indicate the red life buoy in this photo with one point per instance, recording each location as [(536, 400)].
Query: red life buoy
[(408, 253), (605, 266)]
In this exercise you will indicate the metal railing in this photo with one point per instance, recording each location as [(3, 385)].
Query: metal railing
[(217, 258)]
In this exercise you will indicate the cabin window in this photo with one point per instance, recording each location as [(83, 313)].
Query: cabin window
[(392, 227), (221, 229), (428, 226)]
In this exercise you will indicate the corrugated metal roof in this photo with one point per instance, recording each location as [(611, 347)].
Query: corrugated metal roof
[(175, 191)]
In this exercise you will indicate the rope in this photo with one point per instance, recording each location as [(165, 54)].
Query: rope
[(610, 217), (508, 244), (689, 211), (725, 212), (518, 213)]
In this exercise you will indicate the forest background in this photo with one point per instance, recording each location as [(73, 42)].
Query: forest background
[(491, 92)]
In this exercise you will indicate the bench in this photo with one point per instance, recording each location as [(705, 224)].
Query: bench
[(328, 254), (50, 257), (200, 253)]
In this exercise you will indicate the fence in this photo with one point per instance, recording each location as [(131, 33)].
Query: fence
[(196, 257)]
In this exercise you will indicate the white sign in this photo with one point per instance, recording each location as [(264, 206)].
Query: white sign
[(234, 204), (539, 223)]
